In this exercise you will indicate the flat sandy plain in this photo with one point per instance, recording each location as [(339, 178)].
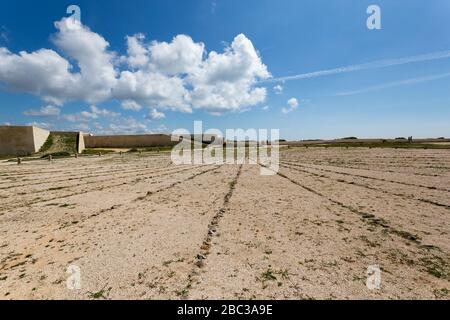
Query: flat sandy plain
[(139, 227)]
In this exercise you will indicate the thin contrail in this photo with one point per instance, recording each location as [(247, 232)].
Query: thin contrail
[(364, 66), (395, 84)]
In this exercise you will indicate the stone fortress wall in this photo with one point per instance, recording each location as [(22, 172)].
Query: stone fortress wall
[(26, 140), (21, 140), (128, 141)]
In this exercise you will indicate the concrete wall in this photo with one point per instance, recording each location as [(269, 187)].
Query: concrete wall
[(39, 137), (16, 140), (128, 141)]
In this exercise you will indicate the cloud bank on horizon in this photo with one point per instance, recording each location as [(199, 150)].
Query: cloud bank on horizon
[(180, 75)]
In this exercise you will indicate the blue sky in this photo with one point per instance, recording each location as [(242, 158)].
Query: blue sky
[(291, 37)]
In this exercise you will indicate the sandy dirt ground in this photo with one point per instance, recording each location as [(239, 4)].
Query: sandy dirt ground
[(139, 227)]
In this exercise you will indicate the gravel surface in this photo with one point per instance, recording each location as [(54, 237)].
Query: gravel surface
[(139, 227)]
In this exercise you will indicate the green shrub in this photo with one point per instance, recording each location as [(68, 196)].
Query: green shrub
[(61, 154), (96, 151)]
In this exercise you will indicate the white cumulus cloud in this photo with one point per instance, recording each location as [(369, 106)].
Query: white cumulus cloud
[(278, 89), (43, 73), (181, 56), (156, 115), (47, 111), (292, 105), (131, 105), (126, 126), (137, 53), (93, 114), (179, 75)]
